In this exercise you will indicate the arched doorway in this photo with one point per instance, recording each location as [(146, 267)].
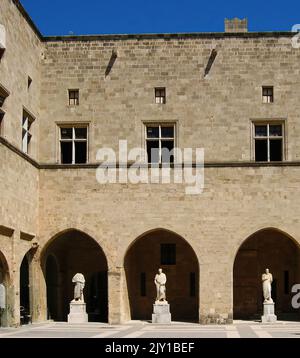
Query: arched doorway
[(272, 249), (4, 278), (67, 254), (165, 249)]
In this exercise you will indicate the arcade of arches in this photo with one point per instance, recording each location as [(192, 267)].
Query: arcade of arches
[(74, 251)]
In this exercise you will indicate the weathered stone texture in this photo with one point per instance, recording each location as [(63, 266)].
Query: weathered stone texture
[(214, 112)]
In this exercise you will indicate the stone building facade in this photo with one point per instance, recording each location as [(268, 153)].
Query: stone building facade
[(235, 94)]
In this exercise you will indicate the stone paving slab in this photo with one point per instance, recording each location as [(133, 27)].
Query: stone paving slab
[(137, 329)]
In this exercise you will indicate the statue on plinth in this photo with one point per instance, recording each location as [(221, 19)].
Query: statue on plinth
[(267, 280), (160, 283), (79, 281)]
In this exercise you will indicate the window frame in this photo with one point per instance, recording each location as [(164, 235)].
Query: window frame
[(269, 123), (26, 127), (159, 139), (73, 140), (162, 99), (76, 100), (267, 101)]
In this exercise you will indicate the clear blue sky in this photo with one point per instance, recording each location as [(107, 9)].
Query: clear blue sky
[(59, 17)]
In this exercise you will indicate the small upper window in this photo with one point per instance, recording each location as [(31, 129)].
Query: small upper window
[(160, 95), (74, 97), (267, 94), (29, 81)]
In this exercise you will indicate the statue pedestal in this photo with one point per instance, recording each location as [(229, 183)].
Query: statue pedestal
[(269, 315), (161, 313), (77, 312)]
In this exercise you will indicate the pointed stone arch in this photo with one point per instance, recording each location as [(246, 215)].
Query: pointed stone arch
[(164, 248), (270, 248), (73, 251)]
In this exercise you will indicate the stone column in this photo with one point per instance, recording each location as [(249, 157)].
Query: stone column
[(115, 277), (13, 307), (215, 293), (38, 290)]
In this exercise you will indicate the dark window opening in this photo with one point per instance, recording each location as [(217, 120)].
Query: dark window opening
[(268, 142), (73, 145), (276, 150), (73, 97), (66, 152), (1, 121), (168, 254), (267, 94), (80, 152), (160, 95), (29, 81), (160, 142), (261, 150)]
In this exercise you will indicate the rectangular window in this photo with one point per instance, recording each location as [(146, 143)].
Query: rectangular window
[(73, 144), (267, 94), (160, 141), (160, 95), (168, 254), (27, 121), (74, 97), (192, 284), (29, 81), (286, 282), (1, 121), (143, 284), (268, 142)]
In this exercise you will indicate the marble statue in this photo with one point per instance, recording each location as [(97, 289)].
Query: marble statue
[(160, 282), (267, 279), (79, 286)]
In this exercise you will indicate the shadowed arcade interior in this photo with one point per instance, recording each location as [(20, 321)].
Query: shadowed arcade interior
[(70, 253), (165, 249), (272, 249), (3, 280)]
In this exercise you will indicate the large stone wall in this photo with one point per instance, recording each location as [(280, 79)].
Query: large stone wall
[(235, 204), (214, 112), (21, 59)]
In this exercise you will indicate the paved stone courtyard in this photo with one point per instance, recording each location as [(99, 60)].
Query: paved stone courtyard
[(240, 329)]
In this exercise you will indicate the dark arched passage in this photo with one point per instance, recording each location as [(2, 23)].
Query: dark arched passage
[(67, 254), (4, 278), (268, 248), (25, 302), (165, 249)]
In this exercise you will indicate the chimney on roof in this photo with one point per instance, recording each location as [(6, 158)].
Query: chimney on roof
[(236, 25)]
